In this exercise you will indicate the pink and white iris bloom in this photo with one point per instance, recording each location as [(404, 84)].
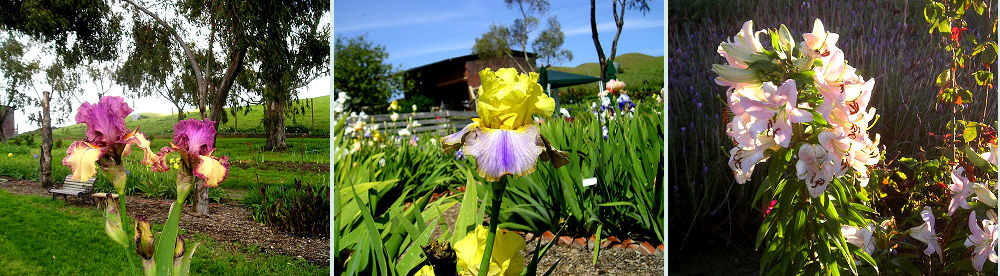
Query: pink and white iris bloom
[(960, 190), (983, 240), (775, 109), (816, 167), (107, 140), (925, 233)]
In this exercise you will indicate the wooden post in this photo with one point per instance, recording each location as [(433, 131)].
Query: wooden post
[(312, 111), (45, 156)]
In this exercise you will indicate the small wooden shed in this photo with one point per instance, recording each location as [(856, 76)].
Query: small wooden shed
[(454, 82)]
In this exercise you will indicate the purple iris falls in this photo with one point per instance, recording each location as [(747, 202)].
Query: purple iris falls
[(105, 120)]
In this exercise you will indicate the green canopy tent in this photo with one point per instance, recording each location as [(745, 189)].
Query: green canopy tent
[(553, 80)]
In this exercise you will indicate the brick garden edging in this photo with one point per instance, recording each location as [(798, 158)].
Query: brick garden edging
[(611, 242)]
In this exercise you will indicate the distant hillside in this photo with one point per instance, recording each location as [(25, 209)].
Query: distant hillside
[(638, 71), (163, 124)]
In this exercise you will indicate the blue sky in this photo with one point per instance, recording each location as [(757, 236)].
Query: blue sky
[(421, 32)]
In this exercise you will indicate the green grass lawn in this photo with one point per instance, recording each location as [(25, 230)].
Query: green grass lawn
[(40, 236), (637, 69), (163, 124), (23, 165)]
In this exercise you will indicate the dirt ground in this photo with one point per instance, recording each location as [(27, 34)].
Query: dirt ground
[(227, 222)]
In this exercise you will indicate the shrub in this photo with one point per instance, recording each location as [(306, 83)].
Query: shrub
[(302, 209)]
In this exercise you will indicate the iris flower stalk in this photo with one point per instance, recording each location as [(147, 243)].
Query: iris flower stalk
[(504, 139), (107, 142), (194, 141)]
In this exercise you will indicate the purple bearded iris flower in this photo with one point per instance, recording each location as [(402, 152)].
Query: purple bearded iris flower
[(107, 141), (504, 139), (194, 140)]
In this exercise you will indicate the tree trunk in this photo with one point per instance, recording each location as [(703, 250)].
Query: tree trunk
[(222, 91), (274, 124), (4, 112), (45, 157), (597, 43), (199, 200)]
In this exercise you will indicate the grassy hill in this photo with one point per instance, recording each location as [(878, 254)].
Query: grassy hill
[(163, 124), (640, 72)]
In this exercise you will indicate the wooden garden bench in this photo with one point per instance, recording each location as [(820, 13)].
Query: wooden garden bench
[(82, 190)]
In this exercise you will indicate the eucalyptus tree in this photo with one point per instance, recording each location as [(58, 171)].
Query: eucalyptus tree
[(618, 8)]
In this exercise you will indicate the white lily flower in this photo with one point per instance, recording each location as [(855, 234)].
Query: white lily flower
[(925, 233), (960, 190), (819, 42), (776, 111), (984, 194), (862, 237), (743, 160), (816, 167), (990, 156), (739, 50), (983, 241), (394, 116)]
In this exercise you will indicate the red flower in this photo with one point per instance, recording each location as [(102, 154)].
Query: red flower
[(956, 32), (764, 213)]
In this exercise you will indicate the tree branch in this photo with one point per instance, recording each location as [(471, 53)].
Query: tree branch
[(187, 51)]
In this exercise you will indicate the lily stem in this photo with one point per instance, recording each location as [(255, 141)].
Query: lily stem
[(498, 189)]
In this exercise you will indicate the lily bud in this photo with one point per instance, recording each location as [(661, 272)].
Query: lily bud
[(143, 238), (113, 223)]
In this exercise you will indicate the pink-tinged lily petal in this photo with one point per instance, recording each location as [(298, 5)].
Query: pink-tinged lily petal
[(990, 156), (212, 169), (105, 120), (195, 136), (982, 240), (501, 152), (743, 160), (739, 130), (81, 157), (960, 190), (819, 42), (816, 167), (862, 237), (139, 140), (925, 233)]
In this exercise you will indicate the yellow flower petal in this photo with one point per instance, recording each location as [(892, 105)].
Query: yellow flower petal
[(506, 258), (508, 99), (211, 170), (81, 158)]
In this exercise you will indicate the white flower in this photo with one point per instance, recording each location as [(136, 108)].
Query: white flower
[(356, 146), (984, 194), (394, 116), (739, 50), (743, 160), (960, 190), (403, 132), (990, 156), (862, 237), (564, 112), (925, 233), (775, 109), (982, 240), (414, 108), (433, 141), (381, 162), (819, 41), (816, 167)]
